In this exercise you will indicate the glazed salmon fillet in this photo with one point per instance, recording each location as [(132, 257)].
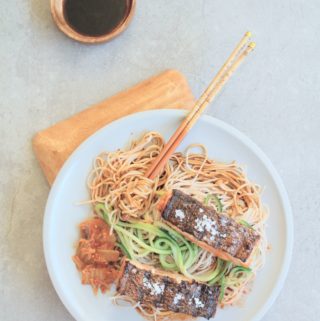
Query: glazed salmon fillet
[(167, 290), (214, 232)]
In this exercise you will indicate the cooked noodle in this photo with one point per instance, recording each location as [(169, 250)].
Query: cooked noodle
[(149, 312), (117, 180)]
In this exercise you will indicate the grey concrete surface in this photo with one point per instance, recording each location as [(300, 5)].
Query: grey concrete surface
[(274, 99)]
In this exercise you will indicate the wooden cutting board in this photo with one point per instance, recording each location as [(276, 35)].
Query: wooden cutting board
[(54, 145)]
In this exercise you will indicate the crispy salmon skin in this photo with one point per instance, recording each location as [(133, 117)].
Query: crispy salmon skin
[(216, 233), (167, 290)]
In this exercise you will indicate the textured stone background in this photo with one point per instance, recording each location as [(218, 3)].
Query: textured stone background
[(274, 99)]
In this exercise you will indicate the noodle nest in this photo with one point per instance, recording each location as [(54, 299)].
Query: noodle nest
[(117, 180)]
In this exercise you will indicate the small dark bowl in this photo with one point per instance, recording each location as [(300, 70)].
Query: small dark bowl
[(57, 10)]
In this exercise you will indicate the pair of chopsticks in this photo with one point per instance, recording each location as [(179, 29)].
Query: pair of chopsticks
[(240, 52)]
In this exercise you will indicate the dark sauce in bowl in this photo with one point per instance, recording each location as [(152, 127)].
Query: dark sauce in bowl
[(95, 17)]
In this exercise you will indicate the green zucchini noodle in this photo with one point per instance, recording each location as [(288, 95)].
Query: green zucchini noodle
[(128, 201)]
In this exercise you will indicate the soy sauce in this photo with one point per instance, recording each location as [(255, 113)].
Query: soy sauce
[(95, 17)]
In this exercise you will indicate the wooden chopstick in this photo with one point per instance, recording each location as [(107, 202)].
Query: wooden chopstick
[(199, 103), (226, 71)]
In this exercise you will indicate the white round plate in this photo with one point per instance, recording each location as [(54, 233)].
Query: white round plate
[(62, 216)]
